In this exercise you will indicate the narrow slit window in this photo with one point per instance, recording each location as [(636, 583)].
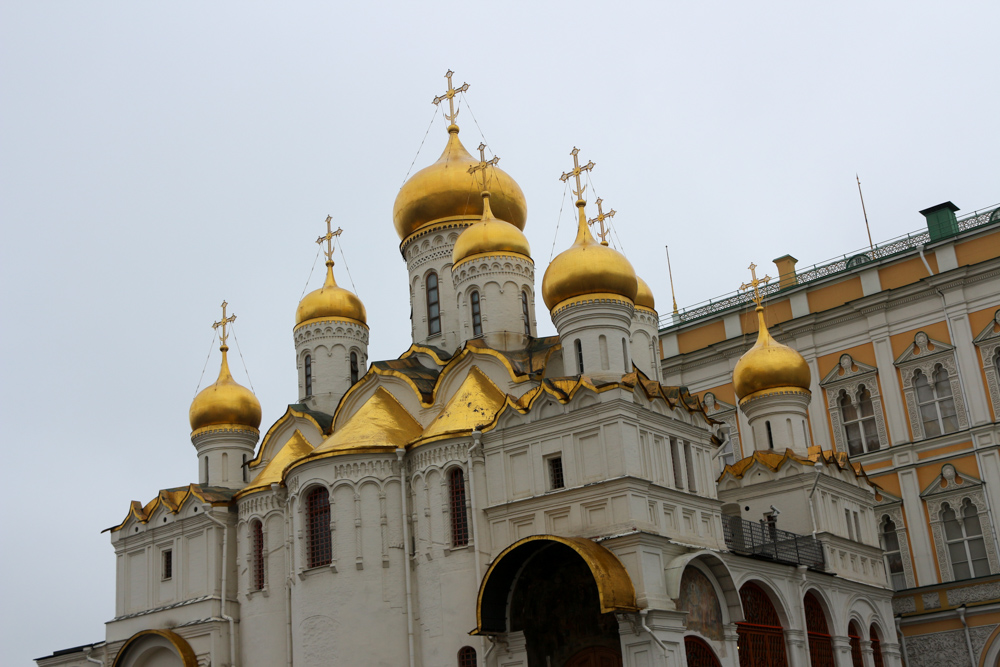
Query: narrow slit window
[(628, 366), (319, 548), (354, 367), (675, 460), (308, 365), (579, 356), (433, 305), (770, 438), (689, 462), (459, 515), (168, 564), (257, 555), (556, 479), (525, 314), (477, 314)]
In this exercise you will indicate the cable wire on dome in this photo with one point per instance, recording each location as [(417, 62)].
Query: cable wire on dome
[(486, 143), (340, 246), (559, 218), (245, 370), (207, 357), (311, 269), (428, 131)]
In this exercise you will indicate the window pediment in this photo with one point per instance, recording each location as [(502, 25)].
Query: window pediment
[(923, 347), (846, 370), (950, 483)]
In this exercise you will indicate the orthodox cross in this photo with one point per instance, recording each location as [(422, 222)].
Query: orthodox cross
[(754, 283), (601, 217), (450, 96), (328, 238), (577, 170), (483, 163), (223, 322)]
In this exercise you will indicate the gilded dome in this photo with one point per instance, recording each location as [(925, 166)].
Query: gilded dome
[(769, 365), (644, 295), (587, 267), (225, 403), (490, 235), (330, 301), (446, 189)]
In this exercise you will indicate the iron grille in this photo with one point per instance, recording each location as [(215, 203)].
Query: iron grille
[(257, 544), (764, 540), (318, 513), (699, 654), (459, 516), (467, 657)]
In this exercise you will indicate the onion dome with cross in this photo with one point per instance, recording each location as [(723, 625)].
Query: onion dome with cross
[(225, 403), (447, 190), (768, 366), (489, 236), (587, 267), (330, 300)]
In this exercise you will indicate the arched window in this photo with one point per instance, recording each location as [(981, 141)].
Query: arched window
[(256, 555), (308, 364), (466, 657), (854, 634), (760, 638), (770, 437), (354, 367), (477, 315), (876, 647), (524, 313), (433, 305), (318, 527), (820, 642), (964, 537), (628, 366), (699, 653), (859, 422), (579, 356), (893, 556), (204, 471), (935, 402), (456, 501), (246, 470)]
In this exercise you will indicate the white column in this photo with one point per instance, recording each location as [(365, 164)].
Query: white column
[(892, 392), (916, 524), (968, 366), (817, 408)]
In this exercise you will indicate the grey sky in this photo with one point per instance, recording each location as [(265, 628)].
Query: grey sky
[(158, 158)]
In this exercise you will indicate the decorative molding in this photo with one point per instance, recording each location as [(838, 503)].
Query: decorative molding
[(849, 376), (924, 354), (951, 488), (892, 507), (988, 342)]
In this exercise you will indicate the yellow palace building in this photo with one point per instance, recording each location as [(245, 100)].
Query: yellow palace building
[(901, 343)]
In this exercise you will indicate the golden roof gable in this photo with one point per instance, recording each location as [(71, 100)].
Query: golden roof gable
[(273, 473), (472, 406)]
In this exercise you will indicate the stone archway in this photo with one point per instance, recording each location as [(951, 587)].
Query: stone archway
[(761, 640), (156, 648)]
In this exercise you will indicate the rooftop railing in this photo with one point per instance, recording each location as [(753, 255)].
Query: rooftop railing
[(764, 540), (896, 246)]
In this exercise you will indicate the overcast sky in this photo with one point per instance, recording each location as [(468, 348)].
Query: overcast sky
[(158, 158)]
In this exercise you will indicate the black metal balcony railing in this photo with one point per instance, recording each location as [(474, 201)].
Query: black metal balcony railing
[(764, 540)]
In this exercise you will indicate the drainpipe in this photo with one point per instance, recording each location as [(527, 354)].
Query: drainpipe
[(902, 637), (276, 488), (642, 621), (968, 638), (818, 467), (406, 555), (207, 509), (477, 438), (86, 654)]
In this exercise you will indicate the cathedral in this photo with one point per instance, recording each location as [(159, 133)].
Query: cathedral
[(496, 498)]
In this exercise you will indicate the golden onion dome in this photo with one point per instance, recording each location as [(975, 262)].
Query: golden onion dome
[(330, 301), (644, 295), (587, 267), (446, 189), (225, 403), (769, 365), (490, 236)]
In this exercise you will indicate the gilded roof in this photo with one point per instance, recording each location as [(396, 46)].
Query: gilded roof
[(472, 406), (296, 447), (174, 500), (774, 460), (381, 423)]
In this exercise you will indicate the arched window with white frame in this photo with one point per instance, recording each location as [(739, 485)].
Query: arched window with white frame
[(892, 554), (307, 365), (858, 421), (456, 503), (433, 305), (355, 370), (319, 549), (935, 402), (963, 536), (257, 573), (477, 314)]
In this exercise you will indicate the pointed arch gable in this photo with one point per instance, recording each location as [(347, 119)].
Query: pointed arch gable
[(614, 585), (155, 638)]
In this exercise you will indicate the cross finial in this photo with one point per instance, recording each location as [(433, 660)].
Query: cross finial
[(450, 96), (224, 335), (754, 284), (328, 238), (577, 170), (483, 164), (601, 217)]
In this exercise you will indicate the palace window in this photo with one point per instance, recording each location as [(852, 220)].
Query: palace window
[(858, 420), (459, 515), (524, 313), (477, 315), (935, 402), (354, 367), (963, 534), (466, 657), (892, 554), (579, 356), (308, 364), (256, 555), (318, 547), (433, 305)]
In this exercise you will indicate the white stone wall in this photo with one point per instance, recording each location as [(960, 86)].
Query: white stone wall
[(603, 327), (645, 343), (329, 344), (223, 452), (431, 250), (500, 281)]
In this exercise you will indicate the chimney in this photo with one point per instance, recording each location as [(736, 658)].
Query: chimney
[(786, 271), (941, 221)]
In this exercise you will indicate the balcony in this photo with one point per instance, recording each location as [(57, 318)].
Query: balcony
[(764, 540)]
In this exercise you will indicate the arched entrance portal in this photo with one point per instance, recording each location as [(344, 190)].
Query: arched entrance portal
[(561, 593), (156, 648), (820, 642), (761, 640), (699, 653)]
